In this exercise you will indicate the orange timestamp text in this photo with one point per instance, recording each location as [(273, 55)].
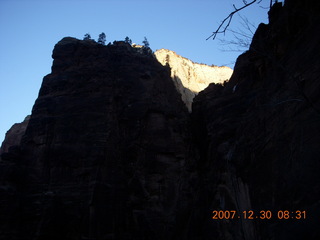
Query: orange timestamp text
[(263, 214)]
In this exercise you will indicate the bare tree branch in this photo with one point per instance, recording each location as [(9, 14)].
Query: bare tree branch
[(228, 19), (247, 25), (242, 37), (226, 22)]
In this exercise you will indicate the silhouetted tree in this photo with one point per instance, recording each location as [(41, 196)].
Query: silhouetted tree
[(87, 37), (102, 38), (128, 40), (146, 43)]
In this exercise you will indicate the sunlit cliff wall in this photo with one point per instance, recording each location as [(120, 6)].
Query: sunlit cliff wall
[(190, 78)]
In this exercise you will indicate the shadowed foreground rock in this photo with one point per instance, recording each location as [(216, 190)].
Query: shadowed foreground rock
[(104, 152), (110, 151), (258, 135)]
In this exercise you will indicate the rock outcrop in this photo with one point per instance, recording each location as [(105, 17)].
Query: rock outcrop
[(190, 78), (14, 135)]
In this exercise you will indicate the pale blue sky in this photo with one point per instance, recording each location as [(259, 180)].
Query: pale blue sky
[(29, 30)]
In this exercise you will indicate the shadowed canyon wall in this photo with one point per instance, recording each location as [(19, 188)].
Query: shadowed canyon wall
[(257, 133), (111, 152)]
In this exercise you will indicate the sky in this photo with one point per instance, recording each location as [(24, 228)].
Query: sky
[(29, 29)]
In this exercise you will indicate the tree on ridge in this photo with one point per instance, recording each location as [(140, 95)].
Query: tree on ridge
[(102, 38), (128, 40), (146, 43), (87, 37)]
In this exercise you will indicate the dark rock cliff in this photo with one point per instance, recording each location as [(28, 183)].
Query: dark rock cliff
[(110, 151), (258, 134), (104, 151)]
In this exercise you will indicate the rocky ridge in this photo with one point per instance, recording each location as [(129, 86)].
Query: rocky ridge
[(190, 78)]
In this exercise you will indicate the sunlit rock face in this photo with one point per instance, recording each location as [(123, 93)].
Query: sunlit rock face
[(190, 78)]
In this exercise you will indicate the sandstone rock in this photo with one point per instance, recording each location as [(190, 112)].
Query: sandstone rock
[(190, 78)]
